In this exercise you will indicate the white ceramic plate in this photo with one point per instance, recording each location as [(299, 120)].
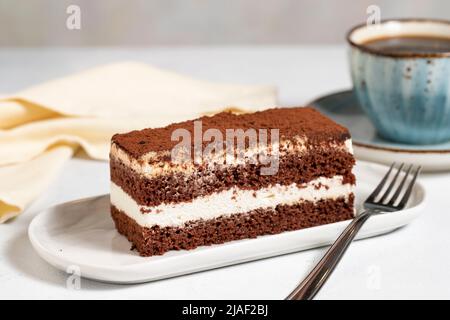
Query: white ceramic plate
[(84, 236), (344, 108)]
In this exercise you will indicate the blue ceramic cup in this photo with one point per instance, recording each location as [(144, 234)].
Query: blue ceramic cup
[(405, 94)]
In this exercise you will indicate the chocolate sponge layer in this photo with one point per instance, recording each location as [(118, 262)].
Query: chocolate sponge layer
[(157, 240), (178, 187)]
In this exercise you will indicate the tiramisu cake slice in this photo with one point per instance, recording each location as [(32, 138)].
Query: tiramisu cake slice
[(229, 177)]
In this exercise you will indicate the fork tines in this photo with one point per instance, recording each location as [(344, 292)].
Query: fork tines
[(381, 197)]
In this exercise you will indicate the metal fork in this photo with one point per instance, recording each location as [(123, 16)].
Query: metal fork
[(376, 203)]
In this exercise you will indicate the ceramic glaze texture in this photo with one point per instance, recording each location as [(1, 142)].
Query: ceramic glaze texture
[(406, 97)]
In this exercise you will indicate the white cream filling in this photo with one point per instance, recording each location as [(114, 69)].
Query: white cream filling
[(149, 170), (228, 202)]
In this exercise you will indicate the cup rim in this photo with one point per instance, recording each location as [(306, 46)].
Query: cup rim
[(364, 48)]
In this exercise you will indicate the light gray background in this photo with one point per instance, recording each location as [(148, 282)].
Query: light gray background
[(196, 22)]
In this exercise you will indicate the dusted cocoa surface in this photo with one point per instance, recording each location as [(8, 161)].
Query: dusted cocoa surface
[(290, 121), (177, 187), (157, 241)]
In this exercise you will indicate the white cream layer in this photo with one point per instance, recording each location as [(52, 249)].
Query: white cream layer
[(228, 202)]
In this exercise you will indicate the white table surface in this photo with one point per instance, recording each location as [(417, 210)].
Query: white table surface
[(412, 262)]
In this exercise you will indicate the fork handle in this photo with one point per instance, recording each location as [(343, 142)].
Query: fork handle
[(309, 287)]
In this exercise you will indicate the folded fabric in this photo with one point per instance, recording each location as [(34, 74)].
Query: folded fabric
[(42, 126)]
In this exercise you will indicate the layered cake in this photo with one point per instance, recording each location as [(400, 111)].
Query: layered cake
[(228, 177)]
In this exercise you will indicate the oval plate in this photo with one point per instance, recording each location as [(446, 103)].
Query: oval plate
[(82, 234)]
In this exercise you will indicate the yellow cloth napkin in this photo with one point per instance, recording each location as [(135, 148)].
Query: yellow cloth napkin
[(42, 126)]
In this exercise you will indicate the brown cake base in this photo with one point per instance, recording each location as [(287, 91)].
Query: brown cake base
[(157, 241)]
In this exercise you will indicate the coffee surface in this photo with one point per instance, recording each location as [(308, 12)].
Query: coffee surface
[(410, 44)]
